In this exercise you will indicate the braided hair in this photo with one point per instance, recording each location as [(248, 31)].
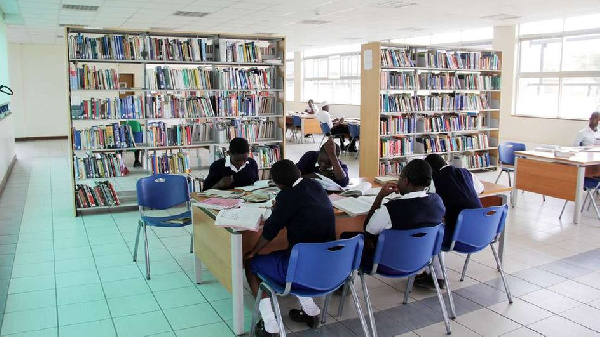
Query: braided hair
[(418, 173)]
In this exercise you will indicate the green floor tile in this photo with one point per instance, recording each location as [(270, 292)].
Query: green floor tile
[(28, 247), (191, 316), (70, 242), (132, 305), (179, 297), (213, 291), (161, 267), (69, 266), (82, 312), (164, 334), (216, 329), (34, 257), (31, 300), (115, 260), (51, 332), (72, 253), (225, 307), (29, 320), (35, 237), (151, 323), (103, 328), (26, 284), (111, 249), (119, 273), (169, 281), (247, 323), (126, 287), (77, 278), (79, 294)]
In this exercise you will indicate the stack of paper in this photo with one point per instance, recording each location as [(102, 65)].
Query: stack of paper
[(354, 206), (220, 204), (244, 218)]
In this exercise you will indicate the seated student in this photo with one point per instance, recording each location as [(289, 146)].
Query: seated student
[(303, 208), (459, 189), (312, 108), (325, 162), (404, 204), (337, 126), (589, 135), (235, 170)]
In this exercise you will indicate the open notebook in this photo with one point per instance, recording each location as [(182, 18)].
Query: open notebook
[(243, 218), (354, 206), (220, 204), (364, 188)]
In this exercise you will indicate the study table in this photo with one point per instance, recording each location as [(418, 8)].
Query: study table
[(309, 124), (544, 173), (221, 250)]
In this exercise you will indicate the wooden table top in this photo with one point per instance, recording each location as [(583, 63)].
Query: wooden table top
[(589, 157)]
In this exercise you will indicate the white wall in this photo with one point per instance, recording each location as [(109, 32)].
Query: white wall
[(40, 103), (7, 139)]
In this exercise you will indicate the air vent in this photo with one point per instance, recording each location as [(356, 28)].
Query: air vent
[(411, 29), (191, 14), (83, 8), (500, 17), (352, 38), (395, 4), (72, 25), (313, 22), (161, 29)]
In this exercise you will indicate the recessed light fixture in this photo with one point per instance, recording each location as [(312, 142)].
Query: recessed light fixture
[(72, 25), (84, 8), (313, 22), (500, 17), (395, 4), (161, 29), (352, 38), (411, 29), (191, 14)]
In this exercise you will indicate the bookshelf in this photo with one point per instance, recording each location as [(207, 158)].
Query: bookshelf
[(169, 95), (417, 100)]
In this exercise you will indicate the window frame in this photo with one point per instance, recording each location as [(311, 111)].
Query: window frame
[(316, 79)]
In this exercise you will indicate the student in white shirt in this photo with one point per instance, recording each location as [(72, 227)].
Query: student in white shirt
[(589, 135), (337, 126), (312, 109)]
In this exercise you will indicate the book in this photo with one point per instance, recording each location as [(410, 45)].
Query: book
[(328, 184), (384, 179), (220, 204), (354, 206), (244, 218), (364, 188), (221, 194)]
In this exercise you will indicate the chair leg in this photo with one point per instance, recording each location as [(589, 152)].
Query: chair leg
[(137, 241), (191, 242), (464, 271), (325, 309), (440, 298), (343, 300), (593, 202), (363, 322), (498, 177), (448, 290), (509, 181), (147, 252), (368, 302), (409, 285), (255, 312), (563, 210), (278, 314), (587, 195), (499, 263)]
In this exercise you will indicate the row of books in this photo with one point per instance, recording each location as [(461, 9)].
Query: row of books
[(102, 194), (412, 57), (167, 78), (266, 156), (169, 163), (137, 47), (252, 131), (393, 147), (397, 125), (244, 79), (128, 107), (101, 137), (86, 77), (391, 80), (99, 165), (245, 52), (161, 134), (444, 102), (443, 143), (448, 123), (473, 161), (391, 167)]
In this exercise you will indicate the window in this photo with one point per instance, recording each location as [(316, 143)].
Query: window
[(334, 78), (289, 79), (559, 68)]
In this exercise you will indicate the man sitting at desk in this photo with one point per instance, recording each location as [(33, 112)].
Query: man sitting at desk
[(304, 209), (337, 127), (590, 134), (312, 108), (325, 162), (235, 170)]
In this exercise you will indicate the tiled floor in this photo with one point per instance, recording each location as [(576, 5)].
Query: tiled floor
[(67, 276)]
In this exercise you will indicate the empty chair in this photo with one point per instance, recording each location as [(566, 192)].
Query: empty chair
[(354, 130), (315, 269), (506, 154), (297, 127), (591, 187), (161, 192)]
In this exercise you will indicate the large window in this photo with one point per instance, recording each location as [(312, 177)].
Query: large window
[(334, 78), (559, 68)]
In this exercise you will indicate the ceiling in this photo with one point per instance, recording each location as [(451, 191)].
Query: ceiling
[(345, 21)]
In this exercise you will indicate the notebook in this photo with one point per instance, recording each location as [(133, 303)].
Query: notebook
[(220, 204), (328, 184), (364, 188), (243, 218), (383, 180), (354, 206)]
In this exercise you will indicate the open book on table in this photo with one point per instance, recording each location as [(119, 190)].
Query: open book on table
[(354, 206), (328, 184), (364, 188), (220, 204), (243, 218), (384, 179)]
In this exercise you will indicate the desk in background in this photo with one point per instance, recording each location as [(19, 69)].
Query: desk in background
[(543, 173), (309, 125), (221, 250)]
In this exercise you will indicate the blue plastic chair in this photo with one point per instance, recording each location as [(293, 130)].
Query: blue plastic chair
[(296, 126), (591, 187), (506, 157), (402, 254), (354, 130), (475, 230), (161, 192), (315, 269)]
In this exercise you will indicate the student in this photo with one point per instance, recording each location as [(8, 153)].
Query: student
[(459, 189), (235, 170), (402, 205), (312, 108), (325, 162), (303, 208), (337, 126), (589, 135)]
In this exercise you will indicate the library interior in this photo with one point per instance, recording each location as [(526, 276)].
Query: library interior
[(221, 168)]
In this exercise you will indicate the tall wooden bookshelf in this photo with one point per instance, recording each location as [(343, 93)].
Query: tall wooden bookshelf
[(417, 100), (187, 91)]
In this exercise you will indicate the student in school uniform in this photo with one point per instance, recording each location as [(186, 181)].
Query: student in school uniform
[(459, 190), (589, 135), (303, 208), (325, 162), (237, 169), (405, 204)]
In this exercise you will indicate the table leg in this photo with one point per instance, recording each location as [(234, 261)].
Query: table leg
[(578, 194), (302, 131), (237, 283), (515, 191), (502, 239), (198, 269)]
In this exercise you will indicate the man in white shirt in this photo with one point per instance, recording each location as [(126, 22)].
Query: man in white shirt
[(312, 109), (590, 134), (337, 126)]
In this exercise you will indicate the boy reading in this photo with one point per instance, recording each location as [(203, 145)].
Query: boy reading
[(235, 170), (325, 162)]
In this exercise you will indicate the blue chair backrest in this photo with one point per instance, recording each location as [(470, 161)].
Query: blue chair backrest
[(325, 129), (324, 266), (477, 228), (506, 152), (354, 130), (162, 191), (408, 251), (590, 183), (297, 121)]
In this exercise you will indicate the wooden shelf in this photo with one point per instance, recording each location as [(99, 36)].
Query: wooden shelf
[(195, 63), (173, 118)]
